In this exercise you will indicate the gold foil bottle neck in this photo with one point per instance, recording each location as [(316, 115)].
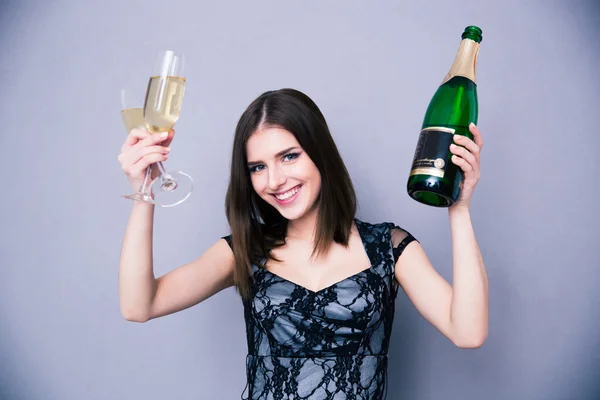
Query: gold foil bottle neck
[(465, 61)]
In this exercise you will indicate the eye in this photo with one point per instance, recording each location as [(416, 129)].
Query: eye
[(256, 168), (290, 156)]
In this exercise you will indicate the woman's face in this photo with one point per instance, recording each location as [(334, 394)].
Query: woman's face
[(282, 174)]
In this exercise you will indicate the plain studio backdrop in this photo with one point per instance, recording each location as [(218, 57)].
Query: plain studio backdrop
[(372, 67)]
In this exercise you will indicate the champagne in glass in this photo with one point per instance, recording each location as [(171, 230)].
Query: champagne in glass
[(162, 107), (163, 102), (132, 114), (133, 118)]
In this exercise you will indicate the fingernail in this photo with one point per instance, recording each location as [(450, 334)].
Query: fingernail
[(167, 149), (471, 125), (164, 134)]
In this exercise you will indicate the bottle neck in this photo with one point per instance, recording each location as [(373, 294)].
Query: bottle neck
[(465, 61)]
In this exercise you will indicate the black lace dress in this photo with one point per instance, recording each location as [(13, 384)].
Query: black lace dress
[(325, 345)]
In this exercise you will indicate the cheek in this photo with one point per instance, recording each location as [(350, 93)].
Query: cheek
[(315, 175), (307, 170), (317, 181), (257, 183), (318, 177)]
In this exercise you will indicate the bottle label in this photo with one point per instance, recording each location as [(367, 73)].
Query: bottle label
[(432, 152)]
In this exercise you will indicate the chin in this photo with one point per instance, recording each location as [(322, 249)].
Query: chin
[(291, 215)]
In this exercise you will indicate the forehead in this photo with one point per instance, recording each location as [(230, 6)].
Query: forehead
[(266, 142)]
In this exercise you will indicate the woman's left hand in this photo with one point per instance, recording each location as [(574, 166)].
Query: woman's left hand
[(467, 158)]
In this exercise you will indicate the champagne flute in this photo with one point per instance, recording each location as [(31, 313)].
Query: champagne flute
[(162, 107), (132, 114)]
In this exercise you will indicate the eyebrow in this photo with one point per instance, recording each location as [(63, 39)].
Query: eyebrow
[(279, 154)]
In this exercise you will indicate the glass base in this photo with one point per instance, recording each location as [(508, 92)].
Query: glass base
[(141, 197), (172, 188), (168, 190)]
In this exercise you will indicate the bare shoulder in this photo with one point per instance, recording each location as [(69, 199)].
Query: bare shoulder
[(413, 255), (408, 252), (195, 281)]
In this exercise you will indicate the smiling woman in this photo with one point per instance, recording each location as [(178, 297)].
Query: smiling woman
[(318, 285), (285, 167)]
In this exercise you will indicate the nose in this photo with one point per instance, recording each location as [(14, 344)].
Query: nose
[(276, 178)]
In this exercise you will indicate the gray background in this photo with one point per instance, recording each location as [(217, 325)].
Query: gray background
[(372, 68)]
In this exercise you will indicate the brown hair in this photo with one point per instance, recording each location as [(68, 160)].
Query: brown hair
[(257, 227)]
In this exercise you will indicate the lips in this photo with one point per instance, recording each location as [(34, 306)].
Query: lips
[(288, 196)]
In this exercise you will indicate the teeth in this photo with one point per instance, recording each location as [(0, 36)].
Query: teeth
[(287, 194)]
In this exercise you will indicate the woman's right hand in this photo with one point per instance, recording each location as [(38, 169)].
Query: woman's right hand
[(141, 149)]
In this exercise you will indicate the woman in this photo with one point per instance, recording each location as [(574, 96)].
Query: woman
[(318, 286)]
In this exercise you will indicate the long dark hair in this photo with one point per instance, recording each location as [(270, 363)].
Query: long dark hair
[(256, 226)]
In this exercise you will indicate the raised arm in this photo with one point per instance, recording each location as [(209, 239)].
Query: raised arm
[(460, 311), (141, 296)]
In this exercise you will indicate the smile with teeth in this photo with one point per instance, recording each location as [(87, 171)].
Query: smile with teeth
[(288, 194)]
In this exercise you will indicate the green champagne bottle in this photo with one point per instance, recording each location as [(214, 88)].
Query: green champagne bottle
[(434, 179)]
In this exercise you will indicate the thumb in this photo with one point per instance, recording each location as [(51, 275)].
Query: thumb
[(169, 138)]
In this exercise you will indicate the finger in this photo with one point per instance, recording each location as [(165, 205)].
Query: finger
[(134, 136), (158, 149), (464, 165), (464, 154), (138, 134), (170, 137), (152, 139), (138, 169), (135, 155), (469, 144), (476, 135)]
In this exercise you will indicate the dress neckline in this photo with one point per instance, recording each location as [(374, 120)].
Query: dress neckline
[(359, 226)]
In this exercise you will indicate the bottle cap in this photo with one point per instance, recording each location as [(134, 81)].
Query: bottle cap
[(474, 33)]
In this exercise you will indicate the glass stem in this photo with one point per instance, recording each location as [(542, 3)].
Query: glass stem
[(163, 172), (144, 186)]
